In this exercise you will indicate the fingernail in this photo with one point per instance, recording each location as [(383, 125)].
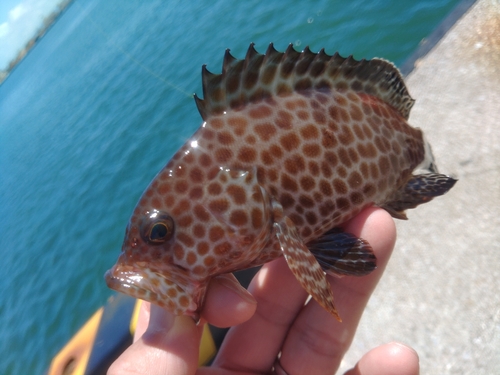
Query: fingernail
[(230, 282), (165, 324), (402, 346), (160, 320)]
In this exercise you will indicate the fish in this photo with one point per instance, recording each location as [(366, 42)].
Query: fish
[(291, 146)]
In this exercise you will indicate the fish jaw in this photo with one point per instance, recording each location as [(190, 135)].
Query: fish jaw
[(170, 289)]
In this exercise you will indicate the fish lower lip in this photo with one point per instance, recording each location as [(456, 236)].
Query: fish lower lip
[(114, 283), (123, 282)]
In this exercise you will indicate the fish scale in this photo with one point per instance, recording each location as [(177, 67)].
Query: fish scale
[(292, 145)]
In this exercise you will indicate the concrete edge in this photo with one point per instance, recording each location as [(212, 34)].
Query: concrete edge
[(428, 43)]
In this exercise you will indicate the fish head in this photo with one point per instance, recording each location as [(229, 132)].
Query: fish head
[(180, 235), (147, 269)]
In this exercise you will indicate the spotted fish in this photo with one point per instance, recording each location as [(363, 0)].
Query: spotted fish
[(291, 146)]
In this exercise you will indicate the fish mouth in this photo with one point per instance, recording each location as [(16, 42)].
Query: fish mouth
[(128, 282), (138, 283)]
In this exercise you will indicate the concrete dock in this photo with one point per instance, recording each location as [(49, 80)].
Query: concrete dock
[(441, 291)]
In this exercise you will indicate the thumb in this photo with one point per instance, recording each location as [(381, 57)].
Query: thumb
[(169, 345), (227, 303), (389, 359)]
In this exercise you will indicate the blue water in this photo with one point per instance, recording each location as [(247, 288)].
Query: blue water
[(97, 108)]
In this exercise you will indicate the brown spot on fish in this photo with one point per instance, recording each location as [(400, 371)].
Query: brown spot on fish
[(319, 117), (247, 155), (287, 200), (326, 169), (238, 217), (199, 231), (325, 188), (272, 175), (311, 150), (329, 140), (250, 139), (261, 111), (182, 206), (266, 157), (217, 123), (288, 183), (257, 218), (237, 193), (341, 171), (342, 204), (284, 120), (191, 258), (202, 248), (178, 251), (307, 183), (353, 155), (306, 201), (196, 175), (185, 221), (265, 131), (313, 168), (196, 193), (172, 293), (223, 155), (344, 157), (209, 261), (181, 186), (276, 151), (303, 115), (225, 138), (384, 164), (201, 213), (374, 172), (309, 132), (183, 301), (214, 188), (222, 249), (311, 218), (290, 141), (215, 233)]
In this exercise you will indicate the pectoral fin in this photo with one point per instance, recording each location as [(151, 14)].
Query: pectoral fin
[(304, 265), (343, 254)]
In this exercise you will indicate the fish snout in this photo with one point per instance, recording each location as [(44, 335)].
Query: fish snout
[(175, 292)]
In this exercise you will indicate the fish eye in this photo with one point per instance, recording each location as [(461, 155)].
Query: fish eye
[(157, 227)]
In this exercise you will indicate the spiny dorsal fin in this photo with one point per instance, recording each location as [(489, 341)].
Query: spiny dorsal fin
[(279, 73)]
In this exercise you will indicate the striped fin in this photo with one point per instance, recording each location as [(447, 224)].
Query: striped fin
[(304, 266), (341, 253), (258, 77), (419, 189)]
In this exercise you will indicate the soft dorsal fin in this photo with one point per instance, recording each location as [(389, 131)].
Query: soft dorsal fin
[(279, 73)]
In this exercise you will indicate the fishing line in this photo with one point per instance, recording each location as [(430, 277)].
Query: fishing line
[(132, 58)]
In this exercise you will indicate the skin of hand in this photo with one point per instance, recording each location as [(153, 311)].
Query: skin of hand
[(271, 318)]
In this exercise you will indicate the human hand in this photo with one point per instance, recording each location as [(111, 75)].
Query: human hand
[(270, 320)]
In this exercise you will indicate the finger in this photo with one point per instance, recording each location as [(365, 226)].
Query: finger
[(317, 342), (254, 345), (388, 359), (170, 345), (227, 303)]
